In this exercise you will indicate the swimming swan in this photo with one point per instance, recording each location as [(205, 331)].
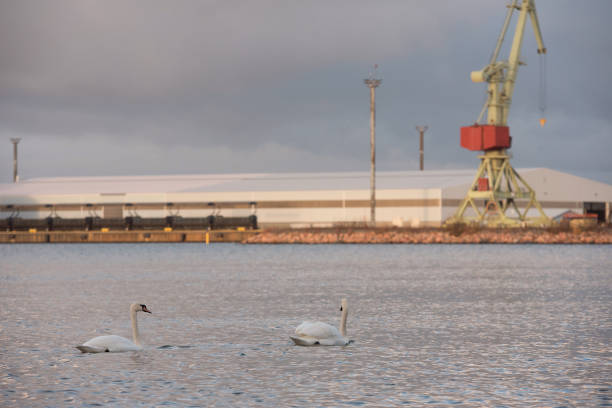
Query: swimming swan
[(114, 343), (319, 333)]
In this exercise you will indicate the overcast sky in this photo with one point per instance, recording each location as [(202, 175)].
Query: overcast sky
[(138, 87)]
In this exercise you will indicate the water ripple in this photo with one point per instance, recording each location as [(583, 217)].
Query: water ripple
[(433, 326)]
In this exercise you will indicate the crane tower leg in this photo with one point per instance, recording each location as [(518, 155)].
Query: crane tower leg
[(499, 196)]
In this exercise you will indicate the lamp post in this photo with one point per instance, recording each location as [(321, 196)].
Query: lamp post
[(15, 141), (422, 130), (372, 82)]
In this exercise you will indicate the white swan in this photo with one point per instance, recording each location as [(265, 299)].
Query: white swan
[(319, 333), (114, 343)]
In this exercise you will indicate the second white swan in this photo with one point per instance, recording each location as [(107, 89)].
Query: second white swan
[(113, 343), (319, 333)]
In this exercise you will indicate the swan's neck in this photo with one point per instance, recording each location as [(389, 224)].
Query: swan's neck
[(343, 321), (135, 332)]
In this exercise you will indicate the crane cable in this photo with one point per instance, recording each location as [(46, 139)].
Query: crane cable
[(542, 91)]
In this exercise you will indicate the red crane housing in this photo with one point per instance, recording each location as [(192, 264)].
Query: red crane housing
[(485, 137)]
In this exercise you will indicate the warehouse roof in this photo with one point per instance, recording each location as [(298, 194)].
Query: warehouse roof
[(238, 182), (549, 184)]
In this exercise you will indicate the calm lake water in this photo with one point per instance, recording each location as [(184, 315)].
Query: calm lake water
[(436, 325)]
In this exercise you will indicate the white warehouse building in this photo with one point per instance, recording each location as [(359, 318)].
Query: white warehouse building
[(403, 198)]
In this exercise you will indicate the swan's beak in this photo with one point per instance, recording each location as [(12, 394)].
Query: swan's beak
[(144, 309), (340, 308)]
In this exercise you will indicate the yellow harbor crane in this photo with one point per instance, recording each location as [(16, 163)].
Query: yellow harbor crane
[(498, 190)]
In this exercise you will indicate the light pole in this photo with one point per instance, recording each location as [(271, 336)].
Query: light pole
[(372, 82), (422, 130), (15, 141)]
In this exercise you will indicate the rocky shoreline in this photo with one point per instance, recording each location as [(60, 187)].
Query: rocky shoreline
[(599, 235)]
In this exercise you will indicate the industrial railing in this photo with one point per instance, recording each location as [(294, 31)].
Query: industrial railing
[(130, 223)]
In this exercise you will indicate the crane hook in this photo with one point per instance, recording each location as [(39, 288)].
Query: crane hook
[(542, 95)]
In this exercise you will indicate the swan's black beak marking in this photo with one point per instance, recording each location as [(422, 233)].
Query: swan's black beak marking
[(340, 308), (144, 309)]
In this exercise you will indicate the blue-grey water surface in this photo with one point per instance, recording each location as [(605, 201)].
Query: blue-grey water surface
[(433, 325)]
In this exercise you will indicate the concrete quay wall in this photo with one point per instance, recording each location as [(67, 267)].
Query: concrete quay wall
[(599, 235)]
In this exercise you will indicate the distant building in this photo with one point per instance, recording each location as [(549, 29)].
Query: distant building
[(413, 198)]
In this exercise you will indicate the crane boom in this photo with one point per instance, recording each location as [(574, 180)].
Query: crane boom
[(527, 8), (502, 35), (501, 75), (536, 29)]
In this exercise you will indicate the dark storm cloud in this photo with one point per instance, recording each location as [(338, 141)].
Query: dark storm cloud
[(151, 87)]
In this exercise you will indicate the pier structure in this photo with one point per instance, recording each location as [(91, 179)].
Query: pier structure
[(158, 236)]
